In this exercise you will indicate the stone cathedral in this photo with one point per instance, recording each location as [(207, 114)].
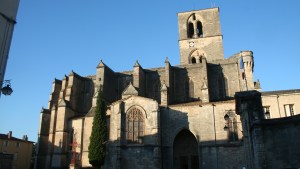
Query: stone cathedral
[(172, 117)]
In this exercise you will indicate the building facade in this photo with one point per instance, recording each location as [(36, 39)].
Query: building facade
[(8, 14), (268, 143), (15, 153), (171, 117)]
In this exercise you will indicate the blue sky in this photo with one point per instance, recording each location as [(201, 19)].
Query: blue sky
[(52, 38)]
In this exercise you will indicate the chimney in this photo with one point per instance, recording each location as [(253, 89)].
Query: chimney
[(9, 134), (25, 138)]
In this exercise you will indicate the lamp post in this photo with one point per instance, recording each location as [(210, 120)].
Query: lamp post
[(6, 90)]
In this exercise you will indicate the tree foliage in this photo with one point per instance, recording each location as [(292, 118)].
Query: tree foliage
[(97, 147)]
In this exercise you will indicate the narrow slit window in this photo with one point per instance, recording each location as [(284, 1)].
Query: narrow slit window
[(193, 60), (190, 30), (199, 29)]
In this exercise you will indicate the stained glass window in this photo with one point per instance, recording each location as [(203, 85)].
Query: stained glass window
[(135, 126)]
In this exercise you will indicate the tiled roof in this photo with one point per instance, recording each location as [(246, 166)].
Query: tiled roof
[(5, 137)]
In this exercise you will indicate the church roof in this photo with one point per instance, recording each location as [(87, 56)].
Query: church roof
[(130, 90)]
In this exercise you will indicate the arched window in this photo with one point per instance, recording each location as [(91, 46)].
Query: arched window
[(221, 87), (186, 89), (231, 126), (233, 133), (191, 89), (193, 60), (190, 30), (134, 126), (199, 29)]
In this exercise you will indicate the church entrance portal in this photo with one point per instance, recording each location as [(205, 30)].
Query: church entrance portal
[(185, 151)]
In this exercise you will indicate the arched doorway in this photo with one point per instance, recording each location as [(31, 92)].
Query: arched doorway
[(185, 151)]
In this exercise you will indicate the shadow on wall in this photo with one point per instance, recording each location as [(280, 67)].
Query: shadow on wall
[(51, 156), (182, 145), (175, 145), (281, 139), (217, 78)]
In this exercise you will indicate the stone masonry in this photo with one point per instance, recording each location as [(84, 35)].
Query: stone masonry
[(171, 117)]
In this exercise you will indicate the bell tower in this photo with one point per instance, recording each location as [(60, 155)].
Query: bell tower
[(200, 36)]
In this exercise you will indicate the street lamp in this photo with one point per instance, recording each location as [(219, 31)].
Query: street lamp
[(6, 90)]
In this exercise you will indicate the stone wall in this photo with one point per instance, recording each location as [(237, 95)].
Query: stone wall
[(210, 43), (269, 143), (122, 153), (206, 122), (276, 101), (281, 139)]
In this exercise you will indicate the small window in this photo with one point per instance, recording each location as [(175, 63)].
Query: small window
[(267, 112), (231, 126), (193, 60), (199, 29), (190, 30), (18, 144), (289, 110)]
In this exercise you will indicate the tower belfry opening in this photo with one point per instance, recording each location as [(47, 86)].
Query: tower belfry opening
[(200, 30), (162, 117)]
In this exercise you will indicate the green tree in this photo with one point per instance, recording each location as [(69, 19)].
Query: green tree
[(97, 147)]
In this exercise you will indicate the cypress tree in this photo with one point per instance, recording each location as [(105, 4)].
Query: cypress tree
[(97, 147)]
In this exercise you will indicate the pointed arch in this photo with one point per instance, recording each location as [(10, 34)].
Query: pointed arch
[(199, 29), (135, 125), (194, 26), (198, 54), (190, 30), (185, 150), (193, 60), (231, 126), (223, 86)]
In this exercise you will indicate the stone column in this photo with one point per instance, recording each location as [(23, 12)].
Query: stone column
[(249, 107)]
